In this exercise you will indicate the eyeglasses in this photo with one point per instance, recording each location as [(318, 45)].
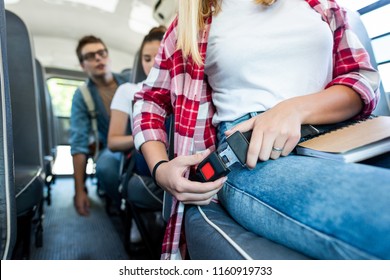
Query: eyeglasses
[(91, 55)]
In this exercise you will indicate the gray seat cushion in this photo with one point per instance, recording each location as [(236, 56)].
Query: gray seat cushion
[(205, 242), (28, 188)]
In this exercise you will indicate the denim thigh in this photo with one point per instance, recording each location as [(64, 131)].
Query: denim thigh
[(107, 172), (322, 208)]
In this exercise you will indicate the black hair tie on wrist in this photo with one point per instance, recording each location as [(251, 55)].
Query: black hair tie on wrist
[(155, 169)]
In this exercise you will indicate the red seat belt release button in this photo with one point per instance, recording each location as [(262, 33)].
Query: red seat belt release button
[(217, 164), (207, 171), (211, 168)]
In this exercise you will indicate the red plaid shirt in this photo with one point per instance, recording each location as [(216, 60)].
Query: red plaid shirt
[(177, 86)]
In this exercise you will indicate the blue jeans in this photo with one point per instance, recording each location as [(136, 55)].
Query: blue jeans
[(322, 208), (107, 173)]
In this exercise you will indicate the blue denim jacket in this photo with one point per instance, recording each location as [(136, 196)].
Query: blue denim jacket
[(80, 123)]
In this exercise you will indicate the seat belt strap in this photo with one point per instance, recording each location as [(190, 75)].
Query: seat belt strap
[(167, 199), (92, 114)]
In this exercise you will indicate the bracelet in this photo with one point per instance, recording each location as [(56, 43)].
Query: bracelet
[(155, 169)]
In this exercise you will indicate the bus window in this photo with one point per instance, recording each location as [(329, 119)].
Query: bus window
[(355, 4), (61, 92)]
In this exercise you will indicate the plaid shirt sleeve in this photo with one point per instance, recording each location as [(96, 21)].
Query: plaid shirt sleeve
[(352, 65), (153, 102)]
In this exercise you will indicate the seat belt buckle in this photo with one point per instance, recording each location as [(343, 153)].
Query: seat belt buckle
[(216, 165)]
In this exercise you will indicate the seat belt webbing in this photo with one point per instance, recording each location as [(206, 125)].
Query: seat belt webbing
[(93, 115)]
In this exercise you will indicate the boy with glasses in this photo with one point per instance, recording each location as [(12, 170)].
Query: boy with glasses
[(102, 84)]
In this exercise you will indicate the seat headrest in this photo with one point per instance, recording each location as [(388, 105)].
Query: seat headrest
[(138, 74)]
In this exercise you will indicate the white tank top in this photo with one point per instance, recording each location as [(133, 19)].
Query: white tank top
[(258, 56)]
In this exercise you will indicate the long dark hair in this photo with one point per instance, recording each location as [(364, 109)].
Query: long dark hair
[(155, 34)]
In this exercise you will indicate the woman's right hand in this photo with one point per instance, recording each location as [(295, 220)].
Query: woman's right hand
[(171, 177)]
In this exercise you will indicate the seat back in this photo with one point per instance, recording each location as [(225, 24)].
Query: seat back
[(46, 113), (7, 191), (26, 123), (127, 74), (356, 24), (138, 74), (24, 94), (167, 203), (141, 195), (48, 129), (27, 136)]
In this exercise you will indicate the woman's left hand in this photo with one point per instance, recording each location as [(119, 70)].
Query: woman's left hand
[(276, 132)]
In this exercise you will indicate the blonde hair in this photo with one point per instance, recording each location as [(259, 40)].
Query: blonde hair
[(191, 18)]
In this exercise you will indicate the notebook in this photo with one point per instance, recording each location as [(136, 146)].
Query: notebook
[(352, 142)]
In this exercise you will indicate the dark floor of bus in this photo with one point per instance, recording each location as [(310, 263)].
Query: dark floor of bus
[(68, 236)]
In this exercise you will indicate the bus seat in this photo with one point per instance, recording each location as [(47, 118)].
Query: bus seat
[(137, 74), (127, 74), (204, 241), (7, 188), (28, 153), (149, 221), (48, 129)]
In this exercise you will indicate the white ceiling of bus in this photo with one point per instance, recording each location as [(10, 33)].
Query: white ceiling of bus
[(58, 24)]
